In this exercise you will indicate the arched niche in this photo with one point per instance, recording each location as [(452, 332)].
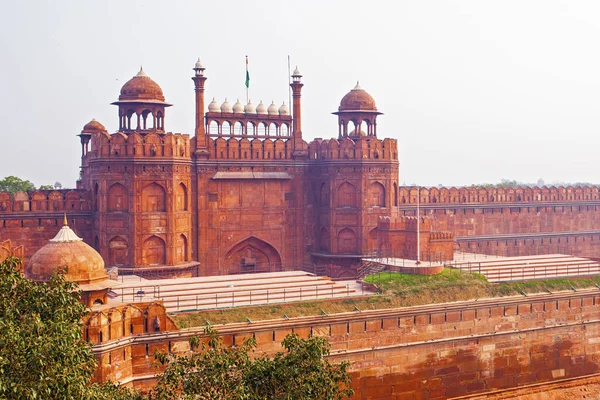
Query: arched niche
[(154, 251), (252, 255), (346, 241), (181, 250), (117, 198), (376, 195), (181, 201), (153, 198), (118, 251), (346, 195)]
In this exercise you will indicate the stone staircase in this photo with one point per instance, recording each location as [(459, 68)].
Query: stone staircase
[(187, 294), (508, 269)]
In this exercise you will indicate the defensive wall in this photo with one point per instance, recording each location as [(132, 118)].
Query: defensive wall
[(512, 221), (432, 351)]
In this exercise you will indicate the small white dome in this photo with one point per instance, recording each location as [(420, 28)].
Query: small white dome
[(213, 106), (226, 107), (272, 110), (249, 108), (296, 72), (284, 110), (198, 65), (261, 108), (238, 107)]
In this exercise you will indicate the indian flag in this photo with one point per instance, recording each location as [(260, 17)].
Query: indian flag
[(247, 74)]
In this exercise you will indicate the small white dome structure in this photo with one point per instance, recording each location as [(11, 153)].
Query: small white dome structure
[(261, 108), (284, 110), (213, 106), (249, 108), (272, 110), (226, 107), (238, 107)]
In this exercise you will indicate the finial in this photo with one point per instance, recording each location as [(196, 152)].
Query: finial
[(65, 220), (141, 73), (357, 87)]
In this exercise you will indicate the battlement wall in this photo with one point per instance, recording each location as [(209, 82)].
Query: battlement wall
[(481, 195), (362, 149), (135, 144)]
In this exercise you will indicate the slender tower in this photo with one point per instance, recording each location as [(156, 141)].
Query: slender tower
[(300, 148), (201, 142)]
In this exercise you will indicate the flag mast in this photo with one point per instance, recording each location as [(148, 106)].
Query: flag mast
[(289, 84), (418, 225)]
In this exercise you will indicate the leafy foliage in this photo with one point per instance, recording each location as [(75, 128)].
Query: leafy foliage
[(42, 352), (12, 184), (46, 187), (222, 372)]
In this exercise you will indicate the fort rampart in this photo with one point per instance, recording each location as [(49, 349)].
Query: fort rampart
[(433, 351)]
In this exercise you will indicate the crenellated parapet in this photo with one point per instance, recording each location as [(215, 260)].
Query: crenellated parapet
[(478, 195), (362, 148), (404, 223), (250, 149), (64, 200), (136, 144)]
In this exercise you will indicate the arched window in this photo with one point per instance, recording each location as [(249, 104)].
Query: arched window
[(153, 198), (346, 195), (213, 128), (117, 198)]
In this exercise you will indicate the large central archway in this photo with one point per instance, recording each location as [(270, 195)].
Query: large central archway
[(251, 255)]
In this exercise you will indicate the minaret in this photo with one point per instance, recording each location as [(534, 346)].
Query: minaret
[(201, 142), (300, 149)]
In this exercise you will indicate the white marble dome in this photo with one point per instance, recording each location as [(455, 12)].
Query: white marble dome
[(226, 107), (213, 106), (261, 108)]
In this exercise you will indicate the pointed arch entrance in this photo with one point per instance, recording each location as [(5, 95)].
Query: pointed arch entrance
[(251, 255)]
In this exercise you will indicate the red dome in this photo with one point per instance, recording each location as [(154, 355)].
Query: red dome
[(67, 252), (93, 126), (141, 87), (357, 100)]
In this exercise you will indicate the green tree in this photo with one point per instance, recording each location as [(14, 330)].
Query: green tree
[(219, 372), (46, 187), (42, 352), (12, 184)]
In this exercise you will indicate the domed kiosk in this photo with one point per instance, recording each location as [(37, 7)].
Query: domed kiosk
[(359, 109), (79, 262), (141, 105)]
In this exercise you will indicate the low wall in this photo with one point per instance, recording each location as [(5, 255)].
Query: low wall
[(435, 351)]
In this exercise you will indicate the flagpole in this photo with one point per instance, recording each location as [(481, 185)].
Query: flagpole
[(289, 84)]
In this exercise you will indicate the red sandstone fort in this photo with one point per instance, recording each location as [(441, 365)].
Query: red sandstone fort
[(245, 193)]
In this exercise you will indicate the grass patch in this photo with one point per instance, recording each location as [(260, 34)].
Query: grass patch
[(397, 290)]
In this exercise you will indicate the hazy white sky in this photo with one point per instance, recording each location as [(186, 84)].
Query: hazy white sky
[(474, 91)]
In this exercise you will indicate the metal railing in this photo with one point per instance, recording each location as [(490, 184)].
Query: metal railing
[(531, 272)]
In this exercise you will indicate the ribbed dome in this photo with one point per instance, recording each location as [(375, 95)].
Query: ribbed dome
[(67, 252), (284, 110), (93, 126), (213, 106), (357, 100), (272, 110), (249, 108), (261, 108), (226, 107), (141, 87), (238, 107)]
